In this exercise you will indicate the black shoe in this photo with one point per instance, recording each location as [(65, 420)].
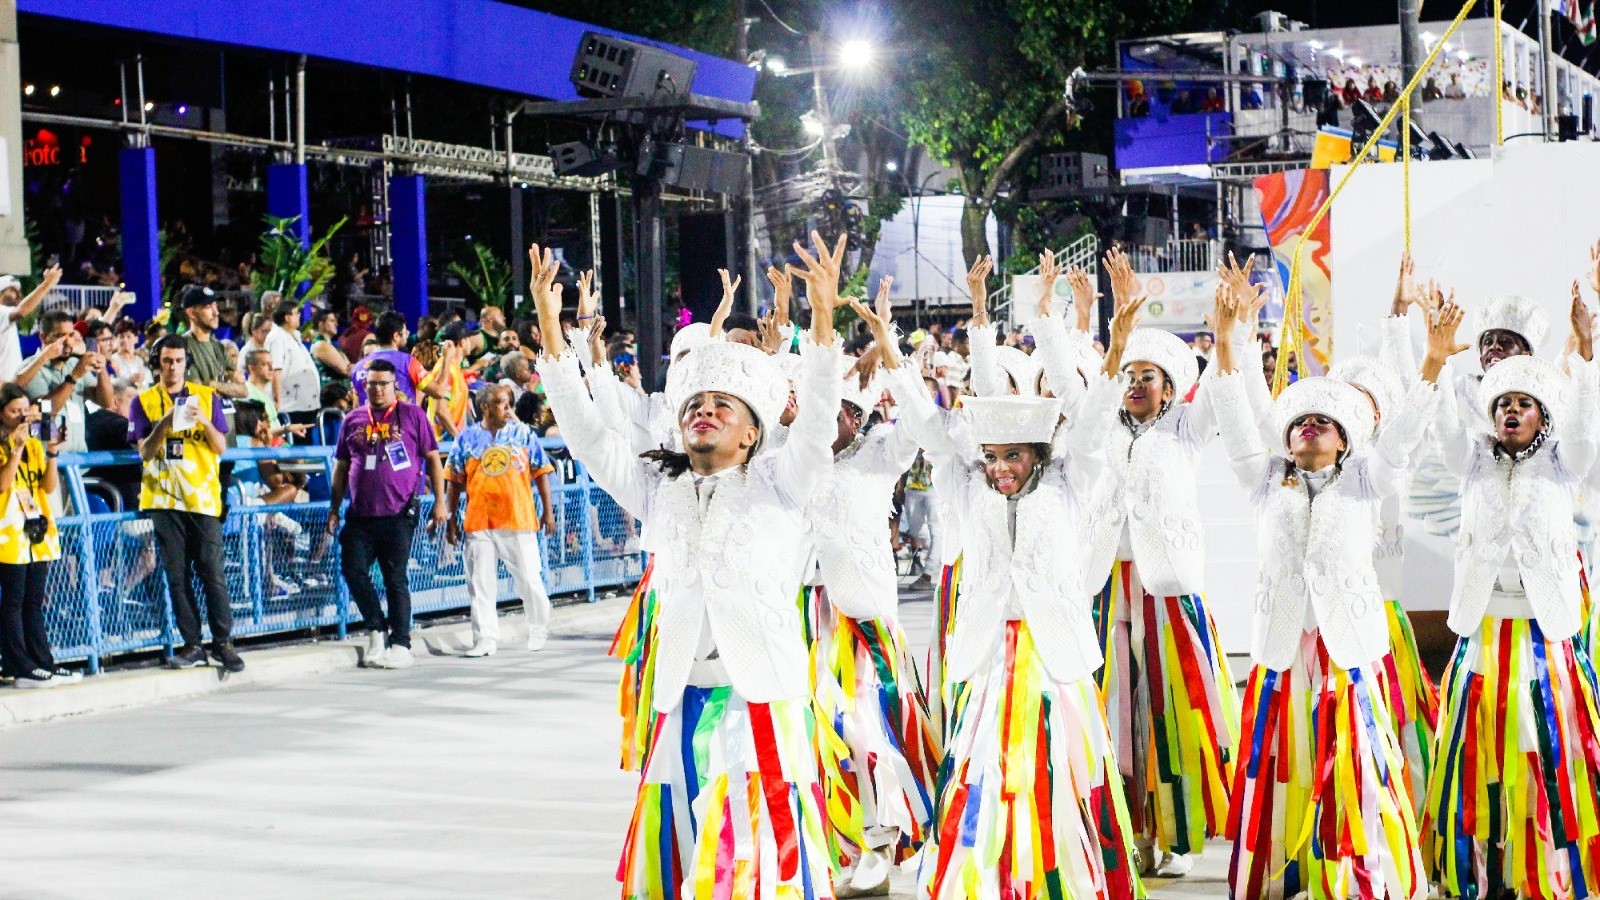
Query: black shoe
[(229, 657), (37, 678), (187, 657)]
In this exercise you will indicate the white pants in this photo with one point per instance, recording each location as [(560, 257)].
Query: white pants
[(919, 519), (519, 550)]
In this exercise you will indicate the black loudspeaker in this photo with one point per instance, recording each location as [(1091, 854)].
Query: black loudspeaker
[(695, 168), (702, 250), (1074, 171), (1147, 231), (1588, 113), (581, 160), (609, 66)]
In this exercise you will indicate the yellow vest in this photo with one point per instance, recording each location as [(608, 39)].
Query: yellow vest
[(15, 549), (193, 483)]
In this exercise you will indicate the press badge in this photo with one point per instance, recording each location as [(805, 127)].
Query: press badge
[(174, 449), (399, 459)]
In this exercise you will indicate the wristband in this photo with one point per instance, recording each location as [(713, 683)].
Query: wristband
[(49, 455)]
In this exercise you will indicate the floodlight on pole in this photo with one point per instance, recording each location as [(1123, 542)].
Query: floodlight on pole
[(813, 124), (856, 54), (776, 65)]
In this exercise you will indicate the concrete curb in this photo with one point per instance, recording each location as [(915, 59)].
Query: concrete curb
[(133, 688)]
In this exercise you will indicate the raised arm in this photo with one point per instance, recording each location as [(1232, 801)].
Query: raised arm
[(730, 288), (1128, 298), (1578, 446), (807, 455), (920, 420), (1236, 420), (30, 303), (988, 379)]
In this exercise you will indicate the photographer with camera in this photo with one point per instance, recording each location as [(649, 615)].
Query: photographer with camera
[(66, 371), (28, 542)]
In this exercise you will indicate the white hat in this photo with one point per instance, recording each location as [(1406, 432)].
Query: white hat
[(689, 337), (1023, 369), (1529, 375), (1167, 350), (1329, 397), (1518, 315), (8, 282), (864, 398), (1012, 420), (729, 368), (1371, 375)]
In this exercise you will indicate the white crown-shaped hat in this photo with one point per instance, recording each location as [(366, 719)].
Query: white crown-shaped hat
[(1371, 375), (1509, 312), (864, 398), (730, 368), (1024, 370), (1329, 397), (1012, 420), (690, 337), (1167, 350), (1538, 378)]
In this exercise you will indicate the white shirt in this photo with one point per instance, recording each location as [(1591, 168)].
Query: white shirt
[(10, 344), (299, 388)]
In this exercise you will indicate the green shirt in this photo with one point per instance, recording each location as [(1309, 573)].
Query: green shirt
[(208, 361)]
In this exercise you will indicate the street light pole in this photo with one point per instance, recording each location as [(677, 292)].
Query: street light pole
[(916, 250), (830, 153)]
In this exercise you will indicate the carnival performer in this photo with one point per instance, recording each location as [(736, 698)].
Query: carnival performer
[(867, 682), (1031, 803), (1514, 799), (1321, 807), (1169, 697), (729, 798)]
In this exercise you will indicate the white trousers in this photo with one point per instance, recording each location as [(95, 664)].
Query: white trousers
[(519, 550)]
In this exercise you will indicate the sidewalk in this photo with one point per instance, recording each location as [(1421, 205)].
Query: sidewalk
[(130, 688)]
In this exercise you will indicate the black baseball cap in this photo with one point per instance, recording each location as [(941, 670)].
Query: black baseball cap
[(196, 295)]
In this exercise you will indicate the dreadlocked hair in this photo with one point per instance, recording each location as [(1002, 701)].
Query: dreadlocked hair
[(671, 462)]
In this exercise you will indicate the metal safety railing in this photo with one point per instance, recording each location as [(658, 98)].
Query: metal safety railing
[(1190, 255), (1083, 252), (107, 594), (78, 297)]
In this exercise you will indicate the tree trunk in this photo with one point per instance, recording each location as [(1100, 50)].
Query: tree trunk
[(974, 231)]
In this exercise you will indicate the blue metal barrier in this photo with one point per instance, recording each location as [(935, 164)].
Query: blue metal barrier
[(107, 594)]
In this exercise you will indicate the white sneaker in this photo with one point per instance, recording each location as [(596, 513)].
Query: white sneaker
[(34, 680), (871, 876), (398, 657), (481, 648), (537, 637), (1174, 865), (284, 587), (377, 646)]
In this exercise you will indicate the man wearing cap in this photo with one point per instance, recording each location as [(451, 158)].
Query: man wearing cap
[(64, 373), (14, 308), (208, 359)]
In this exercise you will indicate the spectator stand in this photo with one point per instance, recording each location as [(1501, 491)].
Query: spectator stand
[(107, 595), (75, 298)]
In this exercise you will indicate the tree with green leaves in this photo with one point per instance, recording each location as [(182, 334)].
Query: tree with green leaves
[(288, 266), (488, 278), (987, 83)]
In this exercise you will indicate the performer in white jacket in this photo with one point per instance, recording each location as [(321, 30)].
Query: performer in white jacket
[(729, 793), (866, 679), (1169, 696), (1514, 798), (1321, 807), (1032, 803)]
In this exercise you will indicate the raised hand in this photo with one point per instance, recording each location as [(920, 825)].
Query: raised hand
[(50, 278), (546, 300), (1582, 324), (767, 330), (725, 308), (1443, 322), (1084, 296), (586, 296), (1594, 267), (821, 275), (1226, 312), (1405, 287), (597, 341), (1124, 284), (1049, 271), (1129, 299), (782, 292), (881, 322), (978, 288)]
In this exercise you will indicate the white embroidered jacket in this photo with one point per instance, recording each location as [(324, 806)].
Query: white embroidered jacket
[(849, 517), (736, 565), (1522, 511), (1315, 557), (1038, 576)]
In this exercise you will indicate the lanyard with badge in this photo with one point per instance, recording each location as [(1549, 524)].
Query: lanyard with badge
[(393, 447), (35, 526)]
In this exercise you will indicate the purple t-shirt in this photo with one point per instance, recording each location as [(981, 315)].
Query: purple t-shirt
[(407, 371), (387, 453)]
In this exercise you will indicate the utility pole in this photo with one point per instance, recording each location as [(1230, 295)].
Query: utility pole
[(1410, 42), (830, 153), (14, 257), (1547, 101), (747, 201)]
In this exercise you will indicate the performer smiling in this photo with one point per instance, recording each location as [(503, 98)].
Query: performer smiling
[(729, 798), (1032, 803)]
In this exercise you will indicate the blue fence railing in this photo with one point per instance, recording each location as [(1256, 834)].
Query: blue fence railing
[(107, 594)]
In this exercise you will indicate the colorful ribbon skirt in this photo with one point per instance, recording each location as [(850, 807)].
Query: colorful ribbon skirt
[(729, 804), (1032, 803), (1172, 711), (1413, 701), (634, 644), (1514, 799), (1321, 805)]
